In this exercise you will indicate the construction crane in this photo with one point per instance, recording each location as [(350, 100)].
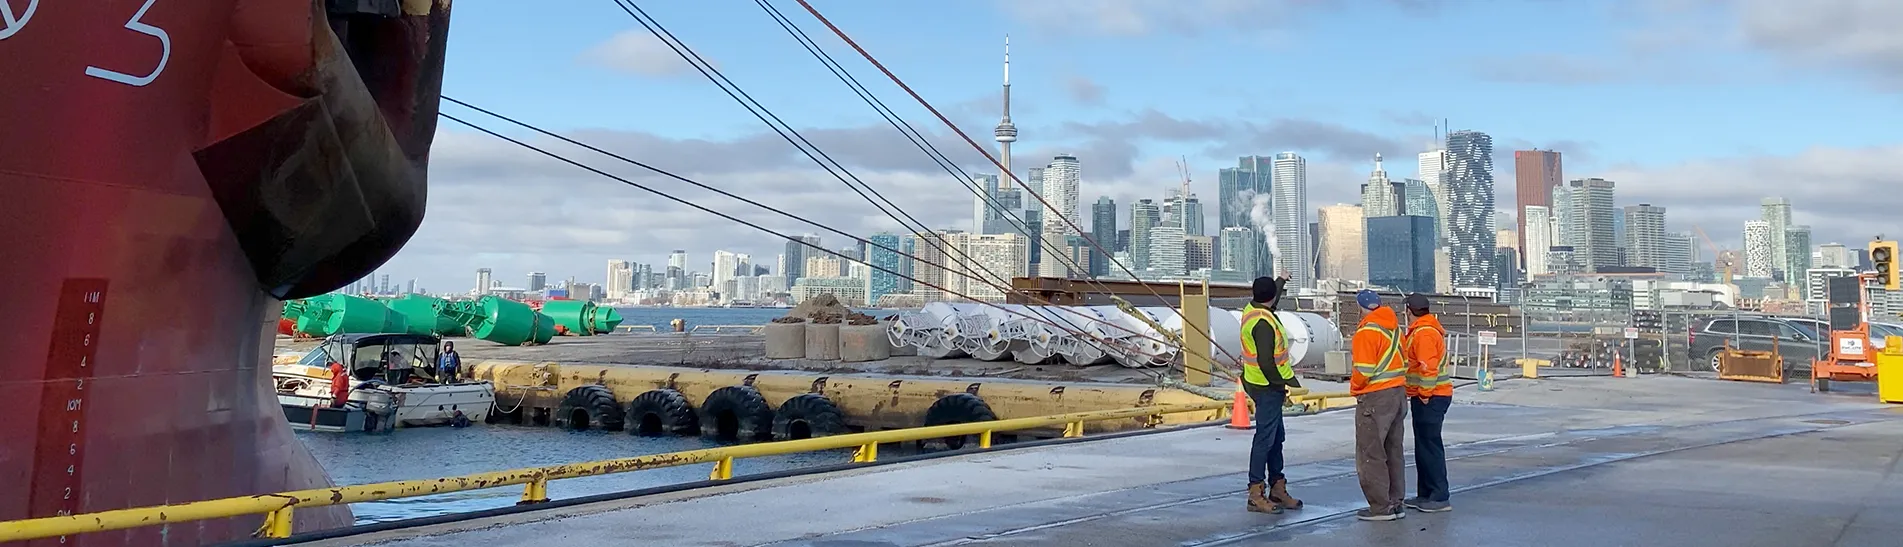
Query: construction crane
[(1182, 169), (1718, 258)]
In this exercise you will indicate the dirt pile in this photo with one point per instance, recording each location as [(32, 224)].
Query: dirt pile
[(819, 306)]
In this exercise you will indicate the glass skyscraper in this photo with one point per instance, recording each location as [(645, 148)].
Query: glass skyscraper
[(1401, 253), (1103, 231), (882, 281)]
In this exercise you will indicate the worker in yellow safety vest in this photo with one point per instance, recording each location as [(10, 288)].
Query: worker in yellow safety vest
[(1262, 335), (1430, 390), (1378, 384)]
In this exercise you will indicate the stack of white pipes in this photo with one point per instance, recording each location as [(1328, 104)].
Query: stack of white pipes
[(1090, 335)]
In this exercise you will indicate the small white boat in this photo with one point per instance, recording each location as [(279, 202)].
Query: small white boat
[(381, 397)]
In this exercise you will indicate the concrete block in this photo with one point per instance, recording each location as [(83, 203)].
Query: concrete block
[(863, 343), (822, 341), (786, 340)]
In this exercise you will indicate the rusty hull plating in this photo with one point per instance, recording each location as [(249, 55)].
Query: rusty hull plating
[(173, 169)]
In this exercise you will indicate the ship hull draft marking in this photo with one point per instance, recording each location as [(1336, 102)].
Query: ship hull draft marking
[(134, 25), (58, 449), (13, 22)]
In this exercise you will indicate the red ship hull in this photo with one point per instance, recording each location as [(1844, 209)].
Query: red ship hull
[(170, 170)]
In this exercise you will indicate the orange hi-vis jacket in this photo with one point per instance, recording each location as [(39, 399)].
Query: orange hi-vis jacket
[(1376, 349), (1426, 354)]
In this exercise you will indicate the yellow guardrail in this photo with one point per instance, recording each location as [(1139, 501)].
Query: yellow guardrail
[(278, 508)]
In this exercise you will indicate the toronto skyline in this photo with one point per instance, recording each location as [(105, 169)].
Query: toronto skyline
[(1129, 88)]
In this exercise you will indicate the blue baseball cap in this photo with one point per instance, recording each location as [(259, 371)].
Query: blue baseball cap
[(1367, 299)]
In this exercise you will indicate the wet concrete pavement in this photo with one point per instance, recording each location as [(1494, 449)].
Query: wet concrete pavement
[(1579, 461)]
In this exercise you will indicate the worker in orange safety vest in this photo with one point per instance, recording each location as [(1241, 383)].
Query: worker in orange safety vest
[(1430, 389), (1379, 387)]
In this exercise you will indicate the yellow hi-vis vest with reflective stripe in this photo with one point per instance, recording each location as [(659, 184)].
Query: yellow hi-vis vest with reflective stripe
[(1252, 317), (1388, 371)]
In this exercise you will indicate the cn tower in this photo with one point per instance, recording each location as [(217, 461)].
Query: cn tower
[(1006, 133)]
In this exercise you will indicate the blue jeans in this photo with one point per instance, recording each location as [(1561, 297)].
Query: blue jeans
[(1265, 451), (1430, 456)]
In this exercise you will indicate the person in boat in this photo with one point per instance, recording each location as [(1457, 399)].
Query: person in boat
[(339, 385), (449, 364), (396, 368)]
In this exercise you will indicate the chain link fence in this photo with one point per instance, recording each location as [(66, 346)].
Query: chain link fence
[(1678, 341), (1591, 341)]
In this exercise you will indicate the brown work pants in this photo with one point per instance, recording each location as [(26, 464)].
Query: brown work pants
[(1380, 426)]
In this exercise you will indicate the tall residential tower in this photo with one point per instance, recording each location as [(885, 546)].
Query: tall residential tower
[(1535, 173), (1289, 188), (1469, 185)]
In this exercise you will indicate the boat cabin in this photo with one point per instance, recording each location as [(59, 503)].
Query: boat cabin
[(372, 356)]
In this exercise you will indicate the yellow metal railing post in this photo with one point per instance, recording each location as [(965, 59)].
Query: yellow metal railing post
[(984, 439), (277, 524), (1195, 310), (723, 469), (867, 453), (536, 491), (1074, 429)]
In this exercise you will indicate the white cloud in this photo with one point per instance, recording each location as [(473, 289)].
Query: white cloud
[(1084, 90), (638, 52), (1859, 35), (1846, 195)]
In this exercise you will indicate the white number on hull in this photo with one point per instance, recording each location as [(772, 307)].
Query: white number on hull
[(165, 52), (10, 22)]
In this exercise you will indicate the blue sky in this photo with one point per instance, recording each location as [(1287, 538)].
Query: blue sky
[(1677, 100)]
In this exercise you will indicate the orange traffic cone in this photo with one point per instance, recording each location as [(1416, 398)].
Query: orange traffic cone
[(1239, 411), (1618, 366)]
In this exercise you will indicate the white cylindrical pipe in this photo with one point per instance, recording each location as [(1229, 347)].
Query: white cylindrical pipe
[(1225, 332), (1156, 345), (1311, 337), (931, 322), (973, 328)]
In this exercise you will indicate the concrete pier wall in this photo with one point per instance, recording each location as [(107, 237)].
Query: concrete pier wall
[(869, 401)]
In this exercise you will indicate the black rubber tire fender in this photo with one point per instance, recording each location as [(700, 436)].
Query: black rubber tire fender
[(659, 412), (593, 403), (807, 415), (736, 413), (957, 408)]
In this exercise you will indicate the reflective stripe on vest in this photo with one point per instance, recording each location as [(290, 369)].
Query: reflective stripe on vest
[(1251, 370), (1385, 369), (1442, 377)]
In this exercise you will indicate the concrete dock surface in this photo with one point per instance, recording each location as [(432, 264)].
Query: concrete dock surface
[(1590, 461)]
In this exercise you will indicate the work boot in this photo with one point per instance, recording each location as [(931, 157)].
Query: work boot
[(1279, 494), (1260, 504), (1370, 514)]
